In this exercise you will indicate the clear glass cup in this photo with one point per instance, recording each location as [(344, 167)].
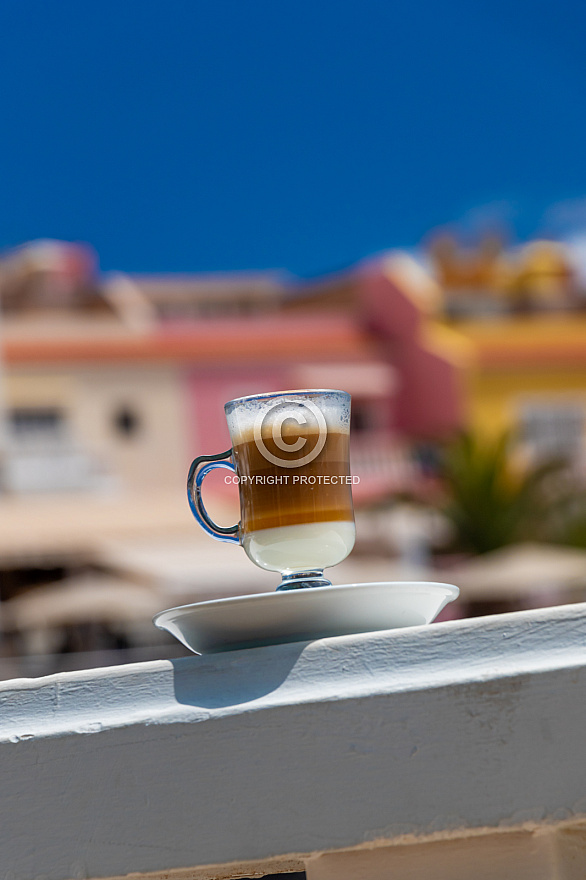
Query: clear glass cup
[(290, 458)]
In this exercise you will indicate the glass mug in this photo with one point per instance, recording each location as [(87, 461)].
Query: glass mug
[(290, 458)]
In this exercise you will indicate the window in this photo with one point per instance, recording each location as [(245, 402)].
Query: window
[(126, 422), (38, 426), (364, 416), (552, 429)]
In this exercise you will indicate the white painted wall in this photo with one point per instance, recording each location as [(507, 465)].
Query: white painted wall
[(284, 754), (157, 456)]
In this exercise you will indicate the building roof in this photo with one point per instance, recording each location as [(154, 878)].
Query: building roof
[(205, 341), (545, 341), (177, 287)]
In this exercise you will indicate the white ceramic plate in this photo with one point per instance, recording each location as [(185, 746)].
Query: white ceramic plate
[(301, 615)]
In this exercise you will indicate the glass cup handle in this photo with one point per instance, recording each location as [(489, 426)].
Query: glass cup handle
[(201, 466)]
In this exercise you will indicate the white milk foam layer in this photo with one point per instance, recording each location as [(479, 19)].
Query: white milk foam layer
[(302, 547), (243, 414)]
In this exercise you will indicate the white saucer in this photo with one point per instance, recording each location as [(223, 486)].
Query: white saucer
[(302, 615)]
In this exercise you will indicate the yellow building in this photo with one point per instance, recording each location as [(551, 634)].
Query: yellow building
[(527, 373)]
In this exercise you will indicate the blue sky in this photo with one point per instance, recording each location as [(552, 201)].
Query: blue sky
[(248, 134)]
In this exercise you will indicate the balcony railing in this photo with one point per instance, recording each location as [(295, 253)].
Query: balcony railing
[(449, 752)]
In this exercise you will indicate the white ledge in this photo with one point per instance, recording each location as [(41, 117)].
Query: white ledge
[(295, 749)]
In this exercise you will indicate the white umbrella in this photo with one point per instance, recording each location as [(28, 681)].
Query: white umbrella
[(519, 570), (187, 569), (80, 599)]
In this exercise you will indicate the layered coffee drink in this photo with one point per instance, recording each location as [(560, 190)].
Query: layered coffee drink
[(292, 465)]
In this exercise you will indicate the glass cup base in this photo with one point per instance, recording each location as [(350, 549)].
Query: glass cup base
[(303, 580)]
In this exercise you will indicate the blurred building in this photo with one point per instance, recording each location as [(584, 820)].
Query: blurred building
[(113, 383), (121, 380), (489, 279), (521, 314)]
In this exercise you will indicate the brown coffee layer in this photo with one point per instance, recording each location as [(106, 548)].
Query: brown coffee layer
[(272, 496)]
